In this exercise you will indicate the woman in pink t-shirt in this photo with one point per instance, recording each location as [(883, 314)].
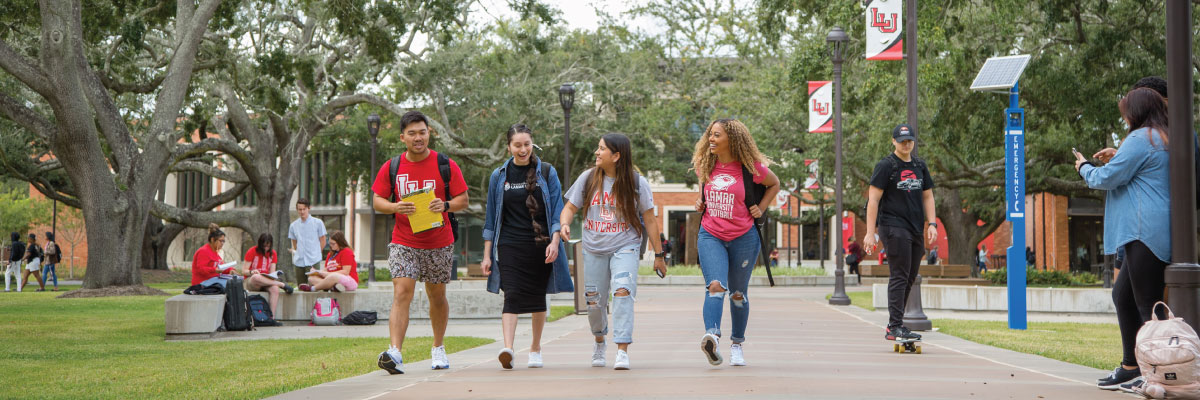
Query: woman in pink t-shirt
[(339, 271), (260, 271), (728, 244)]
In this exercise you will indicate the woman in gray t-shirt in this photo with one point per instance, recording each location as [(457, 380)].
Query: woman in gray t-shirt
[(619, 210)]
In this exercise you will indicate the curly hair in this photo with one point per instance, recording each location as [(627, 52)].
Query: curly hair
[(741, 144)]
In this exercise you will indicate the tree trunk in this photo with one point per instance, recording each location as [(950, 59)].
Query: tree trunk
[(154, 256), (962, 227)]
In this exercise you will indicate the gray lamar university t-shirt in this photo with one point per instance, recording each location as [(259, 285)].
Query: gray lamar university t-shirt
[(604, 231)]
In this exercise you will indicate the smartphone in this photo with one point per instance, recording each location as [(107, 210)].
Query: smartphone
[(1076, 152), (660, 274)]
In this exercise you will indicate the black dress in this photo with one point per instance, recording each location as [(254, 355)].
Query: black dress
[(521, 261)]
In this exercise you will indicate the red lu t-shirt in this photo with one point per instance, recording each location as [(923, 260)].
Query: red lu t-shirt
[(204, 264), (335, 261), (261, 263), (410, 177), (725, 212)]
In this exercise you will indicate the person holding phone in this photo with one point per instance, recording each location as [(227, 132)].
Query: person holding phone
[(900, 206), (523, 254), (1136, 212), (728, 243), (619, 211)]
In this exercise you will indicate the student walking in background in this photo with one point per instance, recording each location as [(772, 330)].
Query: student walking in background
[(16, 253), (53, 257), (33, 263)]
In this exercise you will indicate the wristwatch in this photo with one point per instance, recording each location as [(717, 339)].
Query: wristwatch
[(933, 224), (660, 255)]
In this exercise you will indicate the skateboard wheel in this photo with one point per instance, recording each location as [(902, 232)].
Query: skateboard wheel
[(918, 349), (896, 348)]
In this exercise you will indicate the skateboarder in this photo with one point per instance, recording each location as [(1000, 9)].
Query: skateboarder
[(899, 208)]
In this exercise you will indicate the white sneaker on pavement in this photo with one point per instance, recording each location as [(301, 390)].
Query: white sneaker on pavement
[(392, 361), (598, 350), (505, 357), (535, 360), (622, 361), (438, 359), (708, 344), (735, 355)]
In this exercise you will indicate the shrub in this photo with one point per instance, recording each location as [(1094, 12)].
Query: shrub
[(1048, 278)]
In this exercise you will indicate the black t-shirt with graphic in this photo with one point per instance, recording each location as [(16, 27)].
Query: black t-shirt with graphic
[(518, 225), (902, 186)]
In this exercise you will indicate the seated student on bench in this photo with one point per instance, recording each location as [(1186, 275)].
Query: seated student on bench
[(340, 272)]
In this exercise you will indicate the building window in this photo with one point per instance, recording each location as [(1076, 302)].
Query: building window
[(248, 198), (316, 184), (192, 188)]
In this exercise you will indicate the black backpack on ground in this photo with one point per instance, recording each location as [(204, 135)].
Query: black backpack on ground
[(237, 315), (260, 310), (443, 162), (754, 195), (360, 318)]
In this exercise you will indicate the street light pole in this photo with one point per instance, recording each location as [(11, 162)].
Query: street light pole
[(373, 127), (566, 98), (1183, 275), (837, 39)]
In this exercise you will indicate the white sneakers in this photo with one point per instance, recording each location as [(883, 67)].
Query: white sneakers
[(505, 357), (535, 360), (708, 345), (622, 361), (735, 355), (598, 350), (392, 361), (438, 359)]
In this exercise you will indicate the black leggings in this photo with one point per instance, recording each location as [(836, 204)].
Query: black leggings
[(1137, 287)]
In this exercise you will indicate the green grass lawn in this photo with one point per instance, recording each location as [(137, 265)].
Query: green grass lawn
[(558, 312), (694, 270), (858, 299), (1093, 345), (113, 347)]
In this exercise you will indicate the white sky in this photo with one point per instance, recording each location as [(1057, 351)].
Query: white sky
[(577, 14)]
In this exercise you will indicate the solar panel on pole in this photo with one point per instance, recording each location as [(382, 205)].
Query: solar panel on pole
[(1000, 73)]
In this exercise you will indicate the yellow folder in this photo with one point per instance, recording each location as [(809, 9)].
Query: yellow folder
[(423, 219)]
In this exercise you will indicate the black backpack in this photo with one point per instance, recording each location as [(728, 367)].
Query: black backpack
[(443, 162), (754, 195), (237, 315), (360, 318), (260, 310)]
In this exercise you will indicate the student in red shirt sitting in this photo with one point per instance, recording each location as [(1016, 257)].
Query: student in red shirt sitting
[(340, 272), (207, 259), (262, 260)]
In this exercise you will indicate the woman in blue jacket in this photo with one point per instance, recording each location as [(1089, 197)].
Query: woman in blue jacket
[(524, 196), (1137, 219)]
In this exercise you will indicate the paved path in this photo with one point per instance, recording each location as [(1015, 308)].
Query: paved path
[(797, 347)]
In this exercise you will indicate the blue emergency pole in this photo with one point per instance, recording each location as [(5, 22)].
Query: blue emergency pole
[(1014, 174)]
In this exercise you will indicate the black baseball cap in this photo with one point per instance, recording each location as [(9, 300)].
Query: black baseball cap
[(904, 132)]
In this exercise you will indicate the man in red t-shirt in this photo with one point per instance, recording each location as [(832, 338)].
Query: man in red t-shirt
[(427, 256)]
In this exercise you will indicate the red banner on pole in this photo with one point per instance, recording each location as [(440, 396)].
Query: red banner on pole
[(885, 30), (820, 106)]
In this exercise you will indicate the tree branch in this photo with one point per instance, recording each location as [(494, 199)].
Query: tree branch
[(12, 109), (200, 219), (25, 70), (211, 170)]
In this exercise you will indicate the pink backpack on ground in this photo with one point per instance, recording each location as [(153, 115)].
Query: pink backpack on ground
[(1168, 353), (326, 312)]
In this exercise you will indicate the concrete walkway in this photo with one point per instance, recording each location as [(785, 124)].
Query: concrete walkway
[(797, 347)]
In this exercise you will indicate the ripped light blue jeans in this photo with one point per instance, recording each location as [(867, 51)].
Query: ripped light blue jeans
[(729, 263), (605, 275)]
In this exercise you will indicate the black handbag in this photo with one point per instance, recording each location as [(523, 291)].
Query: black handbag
[(360, 318)]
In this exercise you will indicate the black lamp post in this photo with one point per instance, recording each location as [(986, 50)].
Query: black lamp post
[(1183, 275), (837, 39), (566, 98), (372, 127)]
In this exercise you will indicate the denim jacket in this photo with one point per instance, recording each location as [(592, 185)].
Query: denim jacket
[(560, 276), (1138, 195)]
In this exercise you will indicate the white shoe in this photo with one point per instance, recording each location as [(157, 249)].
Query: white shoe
[(735, 355), (709, 345), (598, 350), (535, 360), (622, 361), (438, 358), (392, 361), (505, 357)]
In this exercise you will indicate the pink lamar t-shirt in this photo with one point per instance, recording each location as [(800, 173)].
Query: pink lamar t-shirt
[(725, 213)]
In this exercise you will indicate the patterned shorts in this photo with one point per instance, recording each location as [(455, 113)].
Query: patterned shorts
[(425, 265)]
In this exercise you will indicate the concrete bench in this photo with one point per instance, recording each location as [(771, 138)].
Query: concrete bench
[(193, 314)]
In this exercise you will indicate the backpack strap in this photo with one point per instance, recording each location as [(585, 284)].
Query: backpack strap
[(545, 171), (444, 168), (392, 168)]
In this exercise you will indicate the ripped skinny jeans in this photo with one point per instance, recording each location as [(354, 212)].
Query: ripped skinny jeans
[(605, 275), (729, 263)]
